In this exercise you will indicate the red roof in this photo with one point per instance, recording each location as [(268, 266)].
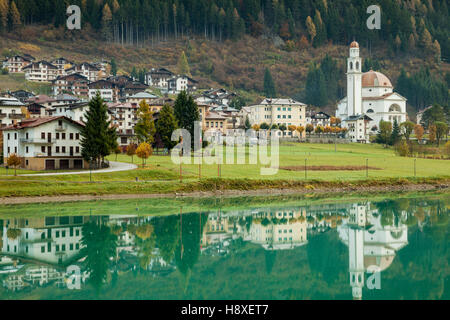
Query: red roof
[(35, 122)]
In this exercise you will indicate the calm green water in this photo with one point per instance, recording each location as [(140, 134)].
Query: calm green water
[(249, 248)]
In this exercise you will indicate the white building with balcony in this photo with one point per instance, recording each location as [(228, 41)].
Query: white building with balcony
[(47, 143)]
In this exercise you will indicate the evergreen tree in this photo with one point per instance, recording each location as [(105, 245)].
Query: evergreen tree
[(315, 89), (186, 112), (113, 67), (396, 134), (14, 16), (98, 138), (106, 23), (269, 86), (183, 65), (145, 127), (4, 10), (166, 125)]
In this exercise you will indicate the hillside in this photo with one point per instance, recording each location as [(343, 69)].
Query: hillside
[(238, 65)]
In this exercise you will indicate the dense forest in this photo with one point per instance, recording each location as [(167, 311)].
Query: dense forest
[(405, 25)]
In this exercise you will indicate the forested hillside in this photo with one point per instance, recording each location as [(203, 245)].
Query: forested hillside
[(232, 42)]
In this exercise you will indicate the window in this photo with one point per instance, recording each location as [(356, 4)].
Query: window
[(42, 149), (71, 136), (57, 136), (63, 149), (63, 136), (42, 135), (42, 249), (26, 149), (57, 234), (77, 136), (77, 149)]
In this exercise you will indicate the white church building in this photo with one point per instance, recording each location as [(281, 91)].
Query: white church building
[(370, 99)]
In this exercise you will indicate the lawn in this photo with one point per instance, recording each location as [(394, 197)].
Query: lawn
[(162, 176)]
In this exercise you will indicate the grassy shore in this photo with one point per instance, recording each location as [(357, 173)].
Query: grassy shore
[(161, 176)]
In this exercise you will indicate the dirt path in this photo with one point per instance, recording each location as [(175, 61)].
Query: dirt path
[(225, 193)]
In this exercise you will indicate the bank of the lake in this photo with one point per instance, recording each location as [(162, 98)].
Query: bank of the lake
[(13, 192)]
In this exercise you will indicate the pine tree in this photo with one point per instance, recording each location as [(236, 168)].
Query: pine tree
[(183, 65), (113, 67), (269, 86), (311, 28), (107, 23), (166, 125), (145, 127), (4, 9), (437, 50), (396, 134), (186, 112), (98, 138), (14, 16)]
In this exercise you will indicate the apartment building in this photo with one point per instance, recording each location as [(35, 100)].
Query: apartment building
[(11, 110), (46, 143), (87, 70), (124, 118), (41, 71), (75, 84), (108, 90), (16, 63)]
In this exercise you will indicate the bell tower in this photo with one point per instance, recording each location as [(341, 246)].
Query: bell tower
[(354, 81)]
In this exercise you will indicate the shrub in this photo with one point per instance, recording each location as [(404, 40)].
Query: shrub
[(402, 149), (447, 149)]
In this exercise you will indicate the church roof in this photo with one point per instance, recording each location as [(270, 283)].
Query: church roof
[(375, 79), (354, 44)]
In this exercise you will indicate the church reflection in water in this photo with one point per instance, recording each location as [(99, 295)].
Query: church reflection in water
[(37, 252)]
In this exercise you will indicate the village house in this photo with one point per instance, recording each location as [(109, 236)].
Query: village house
[(123, 117), (75, 111), (75, 84), (318, 118), (36, 110), (278, 111), (157, 104), (62, 63), (132, 88), (109, 92), (137, 98), (11, 110), (41, 71), (47, 143), (158, 78), (216, 97), (87, 70), (21, 95), (16, 63)]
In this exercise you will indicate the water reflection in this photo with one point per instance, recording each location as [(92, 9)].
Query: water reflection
[(77, 252)]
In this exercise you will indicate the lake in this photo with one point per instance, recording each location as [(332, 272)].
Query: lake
[(291, 247)]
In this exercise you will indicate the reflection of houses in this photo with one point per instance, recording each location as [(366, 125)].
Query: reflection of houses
[(371, 245), (50, 240), (279, 230)]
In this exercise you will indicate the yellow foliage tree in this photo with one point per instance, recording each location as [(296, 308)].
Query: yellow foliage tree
[(14, 161), (144, 151)]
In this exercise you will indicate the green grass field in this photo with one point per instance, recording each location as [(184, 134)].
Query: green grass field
[(17, 81), (161, 175)]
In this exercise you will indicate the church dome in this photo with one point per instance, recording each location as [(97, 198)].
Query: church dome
[(375, 79), (354, 44)]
